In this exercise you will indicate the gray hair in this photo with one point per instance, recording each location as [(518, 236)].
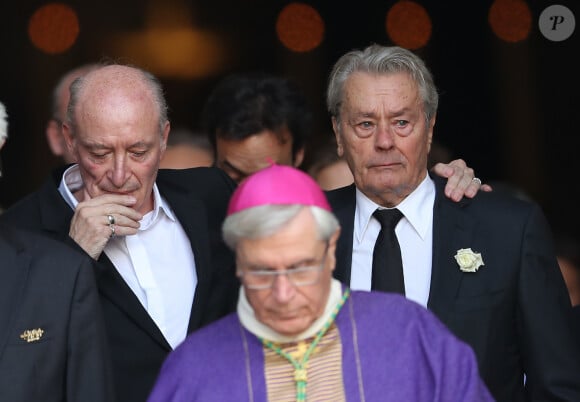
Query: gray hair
[(3, 122), (381, 60), (150, 81), (265, 220)]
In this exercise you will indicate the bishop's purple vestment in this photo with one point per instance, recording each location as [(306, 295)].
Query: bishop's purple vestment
[(392, 350)]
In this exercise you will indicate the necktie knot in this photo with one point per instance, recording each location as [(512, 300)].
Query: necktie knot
[(388, 218)]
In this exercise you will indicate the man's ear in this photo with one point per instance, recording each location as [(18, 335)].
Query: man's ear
[(332, 248), (336, 129), (165, 136), (54, 137), (298, 157), (430, 132), (68, 138)]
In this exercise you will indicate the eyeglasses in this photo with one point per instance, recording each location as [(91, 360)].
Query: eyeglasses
[(298, 276)]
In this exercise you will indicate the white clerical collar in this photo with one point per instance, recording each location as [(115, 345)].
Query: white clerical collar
[(417, 208), (72, 181), (251, 323)]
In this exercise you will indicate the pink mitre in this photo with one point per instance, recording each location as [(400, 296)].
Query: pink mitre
[(277, 185)]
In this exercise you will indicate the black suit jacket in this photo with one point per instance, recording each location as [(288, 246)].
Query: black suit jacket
[(514, 311), (199, 200), (45, 286)]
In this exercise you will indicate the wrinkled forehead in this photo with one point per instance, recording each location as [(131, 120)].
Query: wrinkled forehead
[(366, 92), (116, 105), (116, 82), (380, 83)]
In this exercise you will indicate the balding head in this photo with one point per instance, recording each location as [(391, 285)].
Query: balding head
[(116, 88)]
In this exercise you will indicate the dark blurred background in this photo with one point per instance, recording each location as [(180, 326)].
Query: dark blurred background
[(508, 99)]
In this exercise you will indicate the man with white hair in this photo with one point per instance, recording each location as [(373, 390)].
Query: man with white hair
[(485, 266), (298, 334)]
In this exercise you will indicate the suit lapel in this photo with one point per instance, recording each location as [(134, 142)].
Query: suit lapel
[(113, 287), (191, 214), (453, 229), (343, 203), (14, 269), (195, 225)]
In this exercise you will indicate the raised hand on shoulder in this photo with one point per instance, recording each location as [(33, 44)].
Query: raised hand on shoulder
[(461, 180)]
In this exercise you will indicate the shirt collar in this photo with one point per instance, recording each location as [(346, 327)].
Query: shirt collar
[(72, 181), (417, 208)]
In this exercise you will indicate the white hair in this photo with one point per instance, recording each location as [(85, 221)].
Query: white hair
[(265, 220), (3, 123)]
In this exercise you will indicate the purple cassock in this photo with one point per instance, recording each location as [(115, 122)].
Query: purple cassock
[(392, 350)]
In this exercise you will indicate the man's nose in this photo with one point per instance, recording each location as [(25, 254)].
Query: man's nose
[(119, 172), (282, 288), (385, 137)]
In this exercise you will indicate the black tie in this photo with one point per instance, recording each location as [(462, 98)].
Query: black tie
[(387, 264)]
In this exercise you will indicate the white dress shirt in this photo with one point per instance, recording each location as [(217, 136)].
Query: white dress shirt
[(157, 263), (414, 232)]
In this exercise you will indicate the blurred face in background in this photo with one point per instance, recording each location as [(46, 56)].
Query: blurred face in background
[(334, 175), (183, 156), (241, 158), (54, 127)]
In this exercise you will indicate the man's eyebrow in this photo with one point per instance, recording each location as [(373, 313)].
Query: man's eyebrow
[(98, 145), (95, 145), (297, 264), (401, 111), (362, 113), (140, 144), (371, 114)]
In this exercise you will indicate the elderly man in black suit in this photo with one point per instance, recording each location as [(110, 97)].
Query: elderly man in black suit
[(53, 344), (161, 267), (485, 266)]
